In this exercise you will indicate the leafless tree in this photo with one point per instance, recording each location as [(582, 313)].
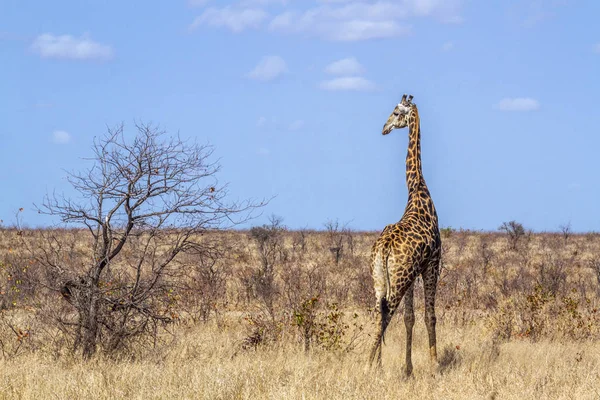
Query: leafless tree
[(269, 243), (299, 242), (566, 231), (205, 284), (594, 264), (515, 232), (338, 235), (144, 203)]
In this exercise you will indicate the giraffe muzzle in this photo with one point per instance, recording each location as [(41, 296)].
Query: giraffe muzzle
[(387, 128)]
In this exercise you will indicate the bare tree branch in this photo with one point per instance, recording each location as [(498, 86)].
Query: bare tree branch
[(144, 202)]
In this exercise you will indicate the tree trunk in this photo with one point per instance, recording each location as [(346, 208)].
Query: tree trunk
[(88, 315)]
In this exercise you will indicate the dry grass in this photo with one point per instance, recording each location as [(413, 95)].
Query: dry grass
[(201, 365), (520, 324)]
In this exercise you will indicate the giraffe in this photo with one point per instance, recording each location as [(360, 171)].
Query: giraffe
[(408, 248)]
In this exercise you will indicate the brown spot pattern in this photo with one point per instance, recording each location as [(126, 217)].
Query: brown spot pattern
[(408, 248)]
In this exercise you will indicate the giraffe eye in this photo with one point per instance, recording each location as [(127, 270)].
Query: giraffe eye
[(396, 113)]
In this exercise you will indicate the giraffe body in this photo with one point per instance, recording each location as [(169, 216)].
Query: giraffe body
[(408, 248)]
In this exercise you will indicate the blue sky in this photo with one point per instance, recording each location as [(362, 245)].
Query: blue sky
[(293, 95)]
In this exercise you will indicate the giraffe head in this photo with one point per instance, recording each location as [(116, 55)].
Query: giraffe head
[(399, 117)]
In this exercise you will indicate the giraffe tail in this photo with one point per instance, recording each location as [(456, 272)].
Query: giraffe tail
[(381, 278), (384, 309)]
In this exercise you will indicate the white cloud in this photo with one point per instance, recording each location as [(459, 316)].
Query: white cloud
[(518, 104), (43, 105), (283, 21), (597, 48), (363, 20), (296, 125), (336, 20), (263, 151), (447, 11), (263, 2), (336, 27), (272, 124), (198, 3), (61, 137), (447, 46), (268, 69), (355, 83), (234, 19), (243, 3), (262, 121), (345, 66), (48, 45), (533, 12)]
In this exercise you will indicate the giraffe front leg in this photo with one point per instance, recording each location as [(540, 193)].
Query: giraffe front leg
[(409, 322)]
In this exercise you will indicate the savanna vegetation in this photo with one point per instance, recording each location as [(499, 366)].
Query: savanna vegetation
[(273, 313), (149, 291)]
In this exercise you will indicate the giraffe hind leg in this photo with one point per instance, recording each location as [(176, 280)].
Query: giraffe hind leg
[(387, 307), (430, 277)]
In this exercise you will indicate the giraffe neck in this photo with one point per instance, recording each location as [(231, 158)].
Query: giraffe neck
[(414, 174)]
